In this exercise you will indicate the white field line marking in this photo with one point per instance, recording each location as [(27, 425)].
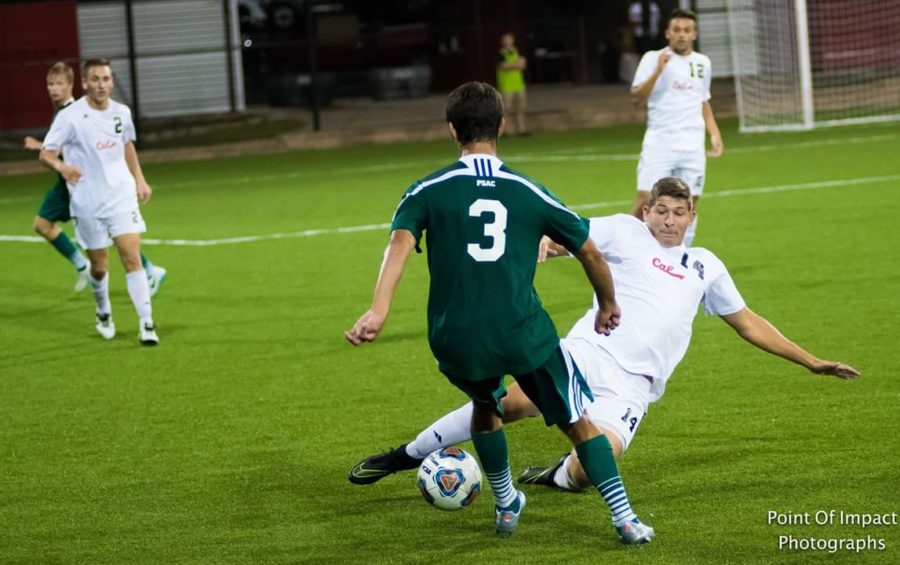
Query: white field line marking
[(581, 154), (567, 155), (596, 151), (384, 226)]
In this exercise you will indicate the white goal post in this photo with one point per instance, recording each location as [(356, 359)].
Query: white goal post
[(800, 64)]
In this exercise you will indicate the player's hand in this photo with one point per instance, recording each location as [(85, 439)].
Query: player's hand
[(607, 319), (33, 143), (71, 174), (717, 146), (545, 249), (144, 192), (835, 368), (366, 328), (663, 59)]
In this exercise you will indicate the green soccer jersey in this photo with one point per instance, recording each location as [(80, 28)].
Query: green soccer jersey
[(483, 223)]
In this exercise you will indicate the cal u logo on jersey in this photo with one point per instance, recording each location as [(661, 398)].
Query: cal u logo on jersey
[(698, 266)]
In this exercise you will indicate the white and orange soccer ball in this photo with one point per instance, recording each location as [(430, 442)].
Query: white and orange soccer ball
[(449, 478)]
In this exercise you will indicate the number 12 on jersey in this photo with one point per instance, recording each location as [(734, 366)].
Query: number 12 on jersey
[(496, 230)]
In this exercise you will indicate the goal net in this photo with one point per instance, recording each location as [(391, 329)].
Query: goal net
[(799, 64)]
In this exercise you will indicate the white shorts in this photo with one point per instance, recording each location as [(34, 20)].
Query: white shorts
[(658, 162), (98, 233), (621, 399)]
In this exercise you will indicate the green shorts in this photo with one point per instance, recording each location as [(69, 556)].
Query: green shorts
[(55, 206), (557, 388)]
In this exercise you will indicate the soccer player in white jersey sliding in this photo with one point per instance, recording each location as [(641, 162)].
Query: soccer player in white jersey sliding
[(653, 272), (674, 84), (105, 182)]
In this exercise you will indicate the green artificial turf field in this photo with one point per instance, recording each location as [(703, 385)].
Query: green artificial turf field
[(230, 442)]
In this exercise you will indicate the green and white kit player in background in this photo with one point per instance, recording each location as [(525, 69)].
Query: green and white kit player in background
[(674, 84), (55, 206), (659, 285), (105, 182), (483, 224)]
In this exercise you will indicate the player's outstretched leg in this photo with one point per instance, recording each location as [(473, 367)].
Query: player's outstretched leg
[(375, 467)]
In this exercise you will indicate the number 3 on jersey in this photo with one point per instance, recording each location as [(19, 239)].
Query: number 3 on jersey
[(495, 230)]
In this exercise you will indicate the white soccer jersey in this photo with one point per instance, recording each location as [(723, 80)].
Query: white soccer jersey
[(658, 290), (94, 141), (675, 106)]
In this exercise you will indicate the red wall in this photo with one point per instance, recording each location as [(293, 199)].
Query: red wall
[(33, 36)]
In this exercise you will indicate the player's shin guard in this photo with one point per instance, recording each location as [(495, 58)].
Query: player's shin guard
[(494, 455), (450, 429), (596, 456), (139, 291), (101, 294)]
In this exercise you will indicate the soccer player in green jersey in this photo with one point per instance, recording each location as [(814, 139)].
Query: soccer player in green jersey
[(55, 206), (483, 224)]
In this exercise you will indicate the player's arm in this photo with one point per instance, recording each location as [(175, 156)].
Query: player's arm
[(715, 136), (641, 93), (758, 331), (33, 143), (549, 249), (50, 158), (134, 165), (597, 271), (372, 321)]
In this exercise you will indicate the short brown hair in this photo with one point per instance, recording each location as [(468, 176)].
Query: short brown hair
[(98, 62), (475, 109), (683, 13), (672, 187), (61, 69)]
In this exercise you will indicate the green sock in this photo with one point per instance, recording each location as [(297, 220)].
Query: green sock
[(494, 455), (67, 249), (146, 263), (596, 456)]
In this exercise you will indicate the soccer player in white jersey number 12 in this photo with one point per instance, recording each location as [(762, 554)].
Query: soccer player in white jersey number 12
[(674, 84), (105, 182)]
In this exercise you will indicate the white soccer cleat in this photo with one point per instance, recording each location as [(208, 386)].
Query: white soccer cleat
[(105, 326), (155, 277), (147, 334), (83, 278), (635, 532)]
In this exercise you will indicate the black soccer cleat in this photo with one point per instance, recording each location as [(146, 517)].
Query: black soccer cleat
[(541, 475), (376, 467)]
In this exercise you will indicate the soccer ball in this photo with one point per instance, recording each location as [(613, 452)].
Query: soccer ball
[(449, 478)]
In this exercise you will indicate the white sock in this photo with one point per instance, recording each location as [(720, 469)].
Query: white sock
[(562, 478), (690, 233), (450, 429), (101, 294), (78, 260), (139, 291)]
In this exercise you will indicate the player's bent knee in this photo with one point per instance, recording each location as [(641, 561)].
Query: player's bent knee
[(42, 226)]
